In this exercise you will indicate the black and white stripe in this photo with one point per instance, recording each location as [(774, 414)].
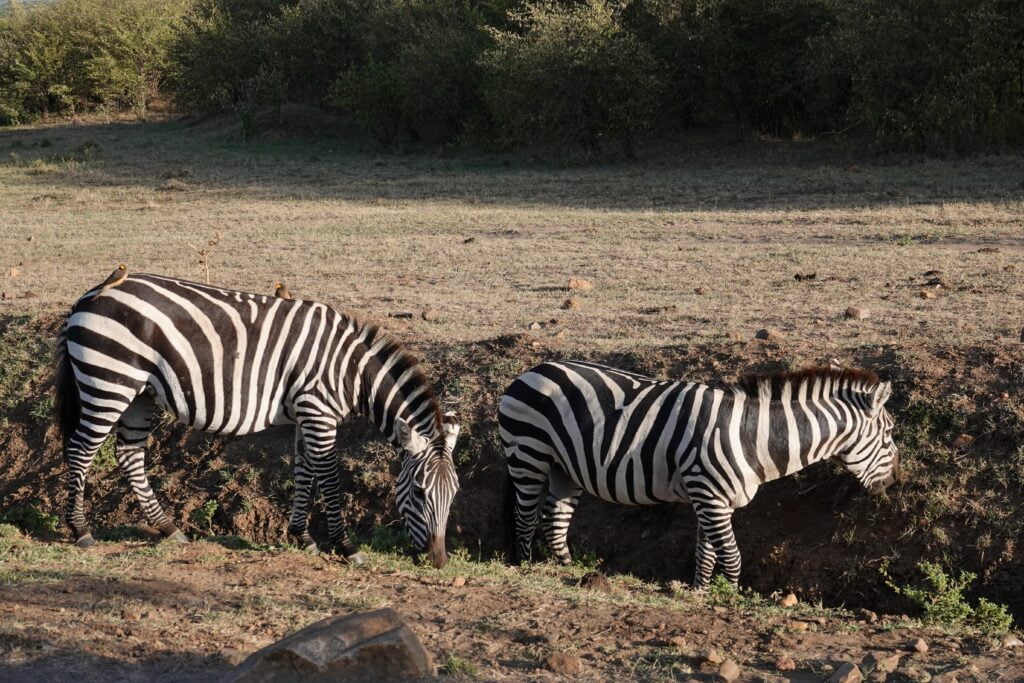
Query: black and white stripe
[(572, 426), (228, 362)]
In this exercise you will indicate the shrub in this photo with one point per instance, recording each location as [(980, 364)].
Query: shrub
[(940, 76), (419, 72), (84, 53), (570, 74), (30, 519), (942, 601), (771, 65)]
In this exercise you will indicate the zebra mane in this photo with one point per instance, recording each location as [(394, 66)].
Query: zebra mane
[(751, 384), (405, 360)]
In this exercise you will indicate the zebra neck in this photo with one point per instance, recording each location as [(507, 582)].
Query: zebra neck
[(386, 384), (781, 437)]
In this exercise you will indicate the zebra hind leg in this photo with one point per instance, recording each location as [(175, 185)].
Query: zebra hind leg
[(716, 534), (302, 477), (529, 485), (83, 440), (563, 496), (132, 432)]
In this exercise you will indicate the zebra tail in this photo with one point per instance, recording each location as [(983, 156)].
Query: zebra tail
[(67, 404), (509, 514)]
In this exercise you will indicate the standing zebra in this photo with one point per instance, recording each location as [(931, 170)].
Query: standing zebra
[(625, 438), (234, 363)]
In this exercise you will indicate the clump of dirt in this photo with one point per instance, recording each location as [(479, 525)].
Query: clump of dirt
[(817, 533)]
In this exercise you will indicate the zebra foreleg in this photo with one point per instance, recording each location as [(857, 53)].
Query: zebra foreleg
[(563, 496), (132, 431), (318, 443), (716, 528), (302, 477), (705, 559)]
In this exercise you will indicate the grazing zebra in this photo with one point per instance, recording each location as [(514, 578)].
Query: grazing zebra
[(573, 426), (234, 363)]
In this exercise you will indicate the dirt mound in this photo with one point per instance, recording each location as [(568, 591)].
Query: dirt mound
[(817, 533)]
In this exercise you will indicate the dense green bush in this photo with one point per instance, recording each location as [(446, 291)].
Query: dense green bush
[(570, 74), (79, 54), (773, 65), (420, 71), (937, 75)]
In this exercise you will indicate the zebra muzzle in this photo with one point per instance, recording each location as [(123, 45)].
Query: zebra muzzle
[(436, 552)]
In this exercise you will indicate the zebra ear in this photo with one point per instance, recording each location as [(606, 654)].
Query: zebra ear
[(451, 430), (879, 396), (408, 438)]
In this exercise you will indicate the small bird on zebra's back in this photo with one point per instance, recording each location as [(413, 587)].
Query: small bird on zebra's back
[(281, 292), (571, 426), (231, 362)]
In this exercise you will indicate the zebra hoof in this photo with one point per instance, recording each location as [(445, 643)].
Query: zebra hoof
[(356, 559), (86, 541), (178, 537), (312, 549)]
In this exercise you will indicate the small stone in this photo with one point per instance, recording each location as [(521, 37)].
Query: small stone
[(788, 600), (963, 441), (570, 304), (14, 272), (31, 238), (469, 240), (596, 581), (677, 641), (925, 294), (535, 325), (734, 335), (867, 615), (729, 671), (458, 582), (948, 677), (915, 674), (6, 295), (429, 314), (857, 313), (1012, 642), (580, 284), (563, 664), (712, 656), (405, 315), (785, 663), (174, 185), (768, 334), (848, 672), (129, 614), (880, 661), (800, 626), (29, 294), (558, 335), (918, 645), (700, 291)]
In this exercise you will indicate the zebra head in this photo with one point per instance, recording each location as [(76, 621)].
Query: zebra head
[(872, 456), (427, 484)]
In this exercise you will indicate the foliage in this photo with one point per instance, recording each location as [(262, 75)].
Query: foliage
[(459, 668), (942, 76), (203, 515), (570, 74), (419, 71), (79, 54), (942, 600), (30, 518)]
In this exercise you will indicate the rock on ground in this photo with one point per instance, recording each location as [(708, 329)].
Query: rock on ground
[(848, 672), (371, 646), (563, 664)]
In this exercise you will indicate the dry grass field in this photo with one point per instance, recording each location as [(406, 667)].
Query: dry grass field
[(690, 250), (490, 242)]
